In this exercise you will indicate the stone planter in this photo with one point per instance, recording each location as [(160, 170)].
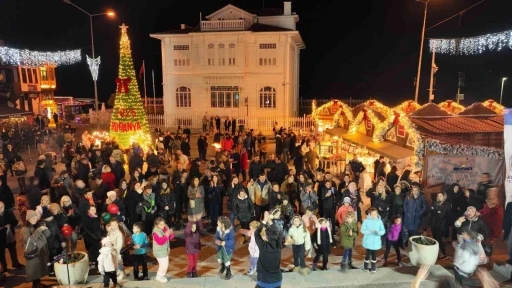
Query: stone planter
[(423, 254), (78, 271)]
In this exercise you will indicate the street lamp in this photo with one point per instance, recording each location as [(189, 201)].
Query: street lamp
[(109, 14), (502, 83), (421, 50)]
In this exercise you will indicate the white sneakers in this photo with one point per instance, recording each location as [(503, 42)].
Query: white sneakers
[(161, 279), (120, 275)]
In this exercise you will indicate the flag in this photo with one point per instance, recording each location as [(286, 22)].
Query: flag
[(508, 154), (142, 71)]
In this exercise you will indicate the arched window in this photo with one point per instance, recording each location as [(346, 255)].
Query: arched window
[(221, 53), (183, 97), (211, 54), (268, 97)]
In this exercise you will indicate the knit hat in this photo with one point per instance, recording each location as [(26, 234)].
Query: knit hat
[(30, 214), (106, 241), (110, 193), (285, 197), (347, 200)]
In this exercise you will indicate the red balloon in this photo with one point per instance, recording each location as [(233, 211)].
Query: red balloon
[(113, 209), (66, 230)]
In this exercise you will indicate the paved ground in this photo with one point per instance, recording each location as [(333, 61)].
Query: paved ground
[(208, 267)]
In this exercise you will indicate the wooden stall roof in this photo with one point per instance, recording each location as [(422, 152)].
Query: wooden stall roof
[(458, 124), (430, 109), (360, 107), (477, 109)]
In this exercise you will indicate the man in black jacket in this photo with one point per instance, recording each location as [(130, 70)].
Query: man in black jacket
[(269, 262), (255, 167), (118, 169), (7, 222)]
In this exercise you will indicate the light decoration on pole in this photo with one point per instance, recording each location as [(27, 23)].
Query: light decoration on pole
[(128, 123), (94, 66), (472, 45), (12, 56), (451, 107)]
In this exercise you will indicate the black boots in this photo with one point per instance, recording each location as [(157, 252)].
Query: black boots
[(194, 274), (366, 264), (374, 266), (228, 273), (343, 267), (189, 275), (222, 268), (350, 266)]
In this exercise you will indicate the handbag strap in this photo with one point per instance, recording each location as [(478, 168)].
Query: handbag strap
[(28, 242)]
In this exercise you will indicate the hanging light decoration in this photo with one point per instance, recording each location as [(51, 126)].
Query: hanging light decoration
[(472, 45), (11, 56), (94, 66)]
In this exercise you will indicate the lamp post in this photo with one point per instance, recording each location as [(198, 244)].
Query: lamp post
[(421, 50), (110, 14), (502, 84)]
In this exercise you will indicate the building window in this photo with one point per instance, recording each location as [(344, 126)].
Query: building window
[(183, 97), (181, 47), (29, 74), (267, 97), (268, 61), (181, 62), (231, 56), (34, 71), (23, 75), (44, 74), (268, 46), (225, 96), (222, 55), (211, 55)]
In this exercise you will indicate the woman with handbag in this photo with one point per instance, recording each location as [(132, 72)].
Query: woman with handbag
[(20, 170), (35, 249), (196, 202)]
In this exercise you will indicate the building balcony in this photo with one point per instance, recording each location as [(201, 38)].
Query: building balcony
[(222, 25)]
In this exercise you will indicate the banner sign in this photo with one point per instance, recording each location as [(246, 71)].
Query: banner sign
[(466, 170), (508, 153)]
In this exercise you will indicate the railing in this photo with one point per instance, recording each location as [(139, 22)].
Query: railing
[(218, 25)]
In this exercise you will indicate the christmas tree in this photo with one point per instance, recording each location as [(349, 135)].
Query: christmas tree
[(128, 123)]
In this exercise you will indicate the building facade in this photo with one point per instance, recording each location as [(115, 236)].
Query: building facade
[(235, 63)]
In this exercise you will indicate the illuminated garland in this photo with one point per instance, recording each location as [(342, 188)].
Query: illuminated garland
[(347, 111), (11, 56), (472, 45), (369, 106), (464, 150), (491, 104), (354, 125), (451, 107), (317, 110), (409, 104)]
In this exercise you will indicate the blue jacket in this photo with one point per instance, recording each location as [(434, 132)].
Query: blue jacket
[(414, 209), (229, 238), (141, 240), (372, 229)]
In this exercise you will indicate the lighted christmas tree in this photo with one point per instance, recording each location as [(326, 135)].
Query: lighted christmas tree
[(129, 122)]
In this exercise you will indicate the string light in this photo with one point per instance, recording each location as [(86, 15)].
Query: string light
[(472, 45), (451, 107), (11, 56), (94, 66), (128, 123)]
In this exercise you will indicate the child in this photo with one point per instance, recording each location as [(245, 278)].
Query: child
[(343, 210), (107, 262), (322, 239), (278, 221), (287, 210), (466, 257), (140, 241), (161, 236), (254, 251), (373, 229), (299, 238), (192, 247), (22, 208), (225, 241), (349, 232), (309, 219), (394, 238), (117, 241)]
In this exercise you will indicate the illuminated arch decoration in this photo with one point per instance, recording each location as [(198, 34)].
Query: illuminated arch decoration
[(451, 107), (407, 107), (344, 111), (491, 104), (326, 110), (367, 114)]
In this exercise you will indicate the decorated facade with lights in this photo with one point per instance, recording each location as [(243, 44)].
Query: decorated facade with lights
[(129, 123), (472, 45)]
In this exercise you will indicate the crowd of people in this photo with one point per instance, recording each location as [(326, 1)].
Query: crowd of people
[(272, 207)]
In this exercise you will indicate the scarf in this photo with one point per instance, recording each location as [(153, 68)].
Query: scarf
[(319, 231), (91, 200)]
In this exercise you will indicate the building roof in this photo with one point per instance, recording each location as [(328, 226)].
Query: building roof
[(256, 27), (360, 108), (477, 109), (460, 125), (429, 109), (7, 112), (267, 11)]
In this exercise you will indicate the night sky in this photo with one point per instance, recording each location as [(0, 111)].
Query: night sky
[(358, 49)]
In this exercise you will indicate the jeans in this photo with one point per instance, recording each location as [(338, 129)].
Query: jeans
[(396, 246), (109, 276), (284, 155), (163, 264), (253, 262), (192, 262), (347, 255), (232, 218), (298, 256), (214, 213), (437, 233), (143, 261)]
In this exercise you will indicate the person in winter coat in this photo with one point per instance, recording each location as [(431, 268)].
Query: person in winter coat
[(415, 208), (492, 216), (269, 241), (322, 241), (343, 211), (92, 235), (195, 197), (232, 192), (275, 197), (115, 234), (329, 206), (455, 196), (397, 201), (243, 209), (56, 241), (300, 239), (394, 237), (355, 198), (225, 241), (349, 232), (140, 242), (244, 163), (8, 222), (107, 262), (259, 191), (133, 198), (112, 199), (166, 202), (147, 208), (162, 234), (372, 229), (192, 247), (466, 257), (35, 238), (290, 188), (471, 221), (108, 177), (438, 217), (308, 198), (507, 229)]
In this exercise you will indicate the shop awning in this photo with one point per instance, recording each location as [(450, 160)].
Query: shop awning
[(386, 149), (11, 112)]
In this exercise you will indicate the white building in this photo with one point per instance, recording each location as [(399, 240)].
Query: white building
[(236, 63)]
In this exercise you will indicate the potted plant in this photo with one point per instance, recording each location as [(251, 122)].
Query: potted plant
[(71, 267), (423, 250)]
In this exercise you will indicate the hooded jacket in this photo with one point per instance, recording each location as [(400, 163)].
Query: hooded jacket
[(372, 229), (466, 257), (299, 234), (107, 260), (258, 195), (243, 208), (414, 209), (474, 224), (347, 241), (227, 236), (192, 239)]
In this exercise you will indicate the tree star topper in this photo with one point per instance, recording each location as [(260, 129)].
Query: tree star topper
[(124, 28)]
